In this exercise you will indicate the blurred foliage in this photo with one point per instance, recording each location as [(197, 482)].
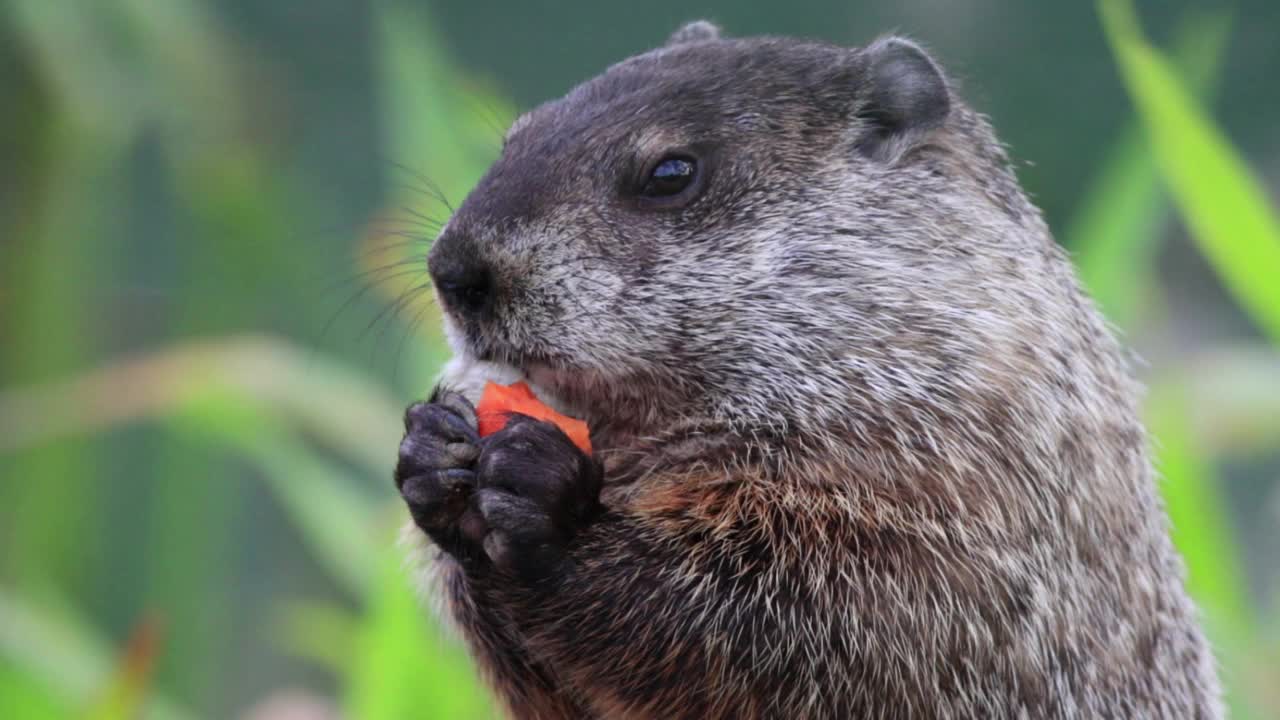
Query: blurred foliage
[(191, 528)]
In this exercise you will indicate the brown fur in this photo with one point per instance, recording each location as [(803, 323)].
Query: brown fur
[(867, 450)]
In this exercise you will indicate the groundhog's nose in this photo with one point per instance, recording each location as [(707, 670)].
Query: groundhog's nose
[(462, 279)]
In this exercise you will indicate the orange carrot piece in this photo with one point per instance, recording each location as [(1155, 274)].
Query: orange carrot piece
[(499, 401)]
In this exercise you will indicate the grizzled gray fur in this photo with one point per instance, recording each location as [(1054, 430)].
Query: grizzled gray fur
[(862, 447)]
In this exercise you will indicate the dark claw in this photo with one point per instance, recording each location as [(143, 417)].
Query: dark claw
[(523, 538), (435, 473), (536, 491), (516, 498), (438, 499), (456, 402), (441, 420)]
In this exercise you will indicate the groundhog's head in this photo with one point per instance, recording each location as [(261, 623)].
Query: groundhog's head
[(763, 231)]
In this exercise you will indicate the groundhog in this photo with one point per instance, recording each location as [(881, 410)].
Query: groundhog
[(863, 447)]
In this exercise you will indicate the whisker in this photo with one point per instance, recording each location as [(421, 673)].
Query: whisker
[(431, 189), (377, 277), (429, 221), (347, 304), (492, 120), (410, 330), (391, 308), (417, 248)]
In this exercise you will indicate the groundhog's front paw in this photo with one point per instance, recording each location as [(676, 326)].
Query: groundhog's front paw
[(536, 490), (436, 471)]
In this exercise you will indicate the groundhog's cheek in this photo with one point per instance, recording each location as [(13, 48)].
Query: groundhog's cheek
[(453, 333)]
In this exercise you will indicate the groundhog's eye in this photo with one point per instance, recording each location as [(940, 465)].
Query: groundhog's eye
[(670, 177)]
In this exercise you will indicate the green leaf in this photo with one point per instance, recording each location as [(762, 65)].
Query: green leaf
[(1223, 205), (317, 631), (1115, 233), (404, 666), (124, 695), (1233, 397), (50, 646), (1201, 530), (255, 395), (438, 132), (336, 520), (344, 409), (24, 696), (73, 50), (58, 254), (441, 131)]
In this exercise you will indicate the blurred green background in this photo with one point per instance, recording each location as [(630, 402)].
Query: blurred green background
[(212, 222)]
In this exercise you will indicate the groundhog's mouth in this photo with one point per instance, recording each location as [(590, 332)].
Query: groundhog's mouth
[(617, 410), (469, 375), (571, 391)]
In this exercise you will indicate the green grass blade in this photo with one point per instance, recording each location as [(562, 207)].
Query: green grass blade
[(254, 395), (59, 254), (336, 520), (1115, 233), (317, 631), (24, 696), (1235, 228), (1201, 530), (441, 129), (1116, 230), (342, 408), (51, 647), (437, 129), (1218, 197), (405, 666), (1234, 394), (124, 696)]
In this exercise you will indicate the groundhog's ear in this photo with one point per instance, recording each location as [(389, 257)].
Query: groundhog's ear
[(696, 31), (906, 97)]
